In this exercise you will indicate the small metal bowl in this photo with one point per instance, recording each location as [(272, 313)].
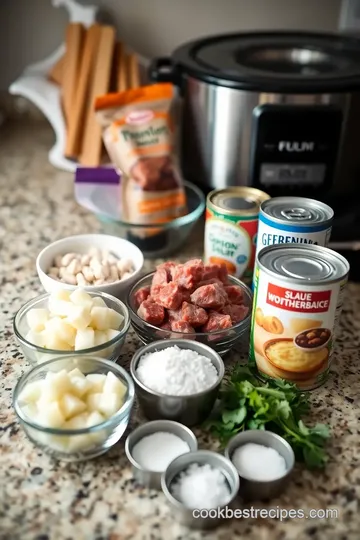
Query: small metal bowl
[(251, 489), (184, 514), (189, 410), (152, 479)]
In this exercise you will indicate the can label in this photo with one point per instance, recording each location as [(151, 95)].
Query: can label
[(271, 232), (231, 240), (292, 329)]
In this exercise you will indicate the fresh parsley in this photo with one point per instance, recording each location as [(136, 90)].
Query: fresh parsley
[(277, 405)]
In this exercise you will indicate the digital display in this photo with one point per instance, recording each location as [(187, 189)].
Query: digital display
[(287, 173), (298, 174)]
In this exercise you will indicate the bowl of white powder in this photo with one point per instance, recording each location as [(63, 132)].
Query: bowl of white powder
[(177, 380), (151, 447), (264, 461)]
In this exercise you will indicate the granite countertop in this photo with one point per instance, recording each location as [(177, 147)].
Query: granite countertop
[(43, 499)]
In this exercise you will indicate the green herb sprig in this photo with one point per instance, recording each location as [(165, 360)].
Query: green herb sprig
[(277, 405)]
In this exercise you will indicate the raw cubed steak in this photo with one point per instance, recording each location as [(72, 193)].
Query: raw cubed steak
[(174, 314), (182, 326), (151, 312), (211, 281), (166, 326), (217, 321), (189, 274), (194, 315), (236, 312), (160, 278), (209, 296), (169, 296), (218, 271), (141, 295), (235, 294), (169, 266)]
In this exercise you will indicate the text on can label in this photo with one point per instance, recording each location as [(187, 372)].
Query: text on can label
[(300, 301)]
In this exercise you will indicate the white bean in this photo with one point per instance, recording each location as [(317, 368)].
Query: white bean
[(114, 273), (125, 265), (95, 252), (111, 259), (66, 260), (85, 260), (106, 269), (62, 271), (74, 267), (94, 262), (88, 273), (70, 279), (98, 273), (126, 275), (58, 260), (99, 282), (54, 271), (81, 280)]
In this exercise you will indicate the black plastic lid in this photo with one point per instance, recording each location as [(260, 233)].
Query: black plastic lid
[(295, 62)]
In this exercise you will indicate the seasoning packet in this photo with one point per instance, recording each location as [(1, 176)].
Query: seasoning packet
[(139, 135)]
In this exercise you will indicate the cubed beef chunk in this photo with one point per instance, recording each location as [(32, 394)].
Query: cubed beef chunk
[(217, 321), (174, 314), (141, 295), (169, 266), (236, 312), (166, 326), (235, 294), (211, 281), (218, 271), (182, 326), (160, 278), (209, 296), (169, 296), (194, 315), (151, 312), (189, 274)]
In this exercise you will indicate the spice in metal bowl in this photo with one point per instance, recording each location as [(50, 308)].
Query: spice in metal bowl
[(259, 462), (154, 452)]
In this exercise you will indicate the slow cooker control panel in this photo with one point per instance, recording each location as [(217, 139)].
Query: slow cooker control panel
[(294, 148)]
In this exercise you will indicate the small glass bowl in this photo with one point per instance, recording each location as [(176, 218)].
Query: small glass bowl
[(160, 239), (36, 355), (221, 340), (76, 444)]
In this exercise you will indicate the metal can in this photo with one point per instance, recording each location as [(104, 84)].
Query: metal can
[(285, 220), (231, 228), (297, 304)]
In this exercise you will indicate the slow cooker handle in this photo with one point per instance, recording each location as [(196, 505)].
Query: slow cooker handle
[(162, 70)]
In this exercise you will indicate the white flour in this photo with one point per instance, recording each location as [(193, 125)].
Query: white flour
[(154, 452)]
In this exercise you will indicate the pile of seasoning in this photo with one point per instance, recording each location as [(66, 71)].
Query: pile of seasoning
[(154, 452), (258, 462), (201, 487), (176, 372)]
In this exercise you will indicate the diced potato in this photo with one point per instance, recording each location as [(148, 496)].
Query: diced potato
[(31, 392), (30, 411), (76, 373), (71, 405), (84, 339), (36, 338), (78, 443), (61, 294), (93, 401), (98, 301), (94, 419), (100, 337), (51, 415), (100, 318), (115, 319), (97, 381), (109, 404), (79, 386), (79, 316), (36, 319), (114, 385), (56, 386), (58, 442), (60, 308), (111, 334), (99, 436), (61, 329), (79, 297), (77, 422), (55, 343)]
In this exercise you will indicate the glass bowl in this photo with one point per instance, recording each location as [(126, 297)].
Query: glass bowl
[(168, 237), (36, 355), (221, 340), (76, 444)]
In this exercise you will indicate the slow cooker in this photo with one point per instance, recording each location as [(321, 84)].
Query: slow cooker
[(269, 110)]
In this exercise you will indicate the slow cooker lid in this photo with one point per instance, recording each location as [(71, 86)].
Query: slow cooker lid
[(274, 61)]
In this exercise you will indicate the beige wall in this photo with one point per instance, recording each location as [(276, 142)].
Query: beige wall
[(31, 29)]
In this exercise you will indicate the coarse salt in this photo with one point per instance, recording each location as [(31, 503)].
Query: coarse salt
[(154, 452), (176, 372), (201, 487), (258, 462)]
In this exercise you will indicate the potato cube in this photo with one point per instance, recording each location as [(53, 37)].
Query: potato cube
[(94, 419), (36, 319), (79, 297), (80, 386), (71, 405), (36, 338), (100, 337), (114, 385), (61, 294), (111, 334), (61, 329), (97, 381), (115, 319), (84, 339), (31, 392), (109, 404), (77, 422), (55, 386), (99, 318), (30, 411), (61, 308), (54, 342), (79, 316), (76, 373), (51, 415), (78, 443), (98, 301), (93, 401), (57, 442)]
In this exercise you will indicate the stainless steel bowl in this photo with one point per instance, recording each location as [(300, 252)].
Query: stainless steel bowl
[(251, 489), (189, 410), (184, 514), (152, 479)]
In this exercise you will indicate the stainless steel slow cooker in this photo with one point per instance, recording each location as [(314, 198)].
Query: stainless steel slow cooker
[(270, 110)]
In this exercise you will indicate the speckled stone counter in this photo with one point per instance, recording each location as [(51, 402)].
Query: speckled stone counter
[(43, 499)]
